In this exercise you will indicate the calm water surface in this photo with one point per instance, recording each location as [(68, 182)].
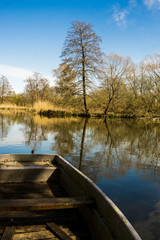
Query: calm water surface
[(121, 156)]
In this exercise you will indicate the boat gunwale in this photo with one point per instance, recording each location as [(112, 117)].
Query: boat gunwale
[(117, 211)]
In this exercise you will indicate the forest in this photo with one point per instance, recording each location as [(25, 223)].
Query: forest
[(89, 82)]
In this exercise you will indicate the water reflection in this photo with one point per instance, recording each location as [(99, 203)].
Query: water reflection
[(5, 124), (34, 134), (121, 156), (82, 144)]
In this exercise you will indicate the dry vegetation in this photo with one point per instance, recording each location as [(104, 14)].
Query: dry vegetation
[(45, 121), (45, 106), (14, 107)]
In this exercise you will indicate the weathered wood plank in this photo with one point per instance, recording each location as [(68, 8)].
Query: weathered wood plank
[(28, 158), (41, 220), (30, 228), (59, 232), (61, 217), (26, 174), (44, 203), (31, 190), (26, 195), (23, 187), (42, 234), (73, 230), (8, 233), (44, 214)]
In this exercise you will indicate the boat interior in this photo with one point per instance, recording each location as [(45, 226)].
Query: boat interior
[(45, 197), (35, 205)]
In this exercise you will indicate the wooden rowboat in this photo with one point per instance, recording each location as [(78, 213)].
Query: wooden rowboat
[(45, 197)]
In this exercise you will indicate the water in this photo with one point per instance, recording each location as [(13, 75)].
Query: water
[(121, 156)]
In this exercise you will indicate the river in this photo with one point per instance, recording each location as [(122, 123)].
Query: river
[(121, 156)]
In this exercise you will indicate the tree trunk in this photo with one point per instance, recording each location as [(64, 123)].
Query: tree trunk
[(1, 100), (84, 81), (106, 109)]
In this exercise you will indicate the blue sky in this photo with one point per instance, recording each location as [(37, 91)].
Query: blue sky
[(32, 32)]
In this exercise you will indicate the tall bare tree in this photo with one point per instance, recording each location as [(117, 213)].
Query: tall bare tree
[(83, 54), (5, 88)]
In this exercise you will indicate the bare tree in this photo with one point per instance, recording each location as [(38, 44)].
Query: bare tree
[(83, 54), (153, 68), (5, 88), (114, 70), (132, 80), (153, 64), (146, 89), (65, 83), (37, 88)]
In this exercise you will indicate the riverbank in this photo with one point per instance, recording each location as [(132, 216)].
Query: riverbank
[(60, 113), (50, 111)]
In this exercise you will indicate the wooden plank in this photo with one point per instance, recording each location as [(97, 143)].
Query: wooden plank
[(77, 231), (30, 228), (26, 195), (26, 174), (59, 232), (44, 203), (25, 164), (29, 190), (27, 219), (44, 214), (8, 233), (41, 234), (23, 187), (28, 158)]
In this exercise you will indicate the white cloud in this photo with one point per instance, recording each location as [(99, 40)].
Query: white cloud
[(15, 72), (152, 4), (16, 76), (119, 17)]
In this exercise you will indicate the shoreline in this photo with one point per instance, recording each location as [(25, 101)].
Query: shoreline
[(64, 113)]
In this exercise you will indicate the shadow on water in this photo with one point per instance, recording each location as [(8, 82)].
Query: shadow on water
[(121, 156)]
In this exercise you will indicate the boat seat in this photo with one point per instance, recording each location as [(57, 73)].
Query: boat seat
[(45, 203)]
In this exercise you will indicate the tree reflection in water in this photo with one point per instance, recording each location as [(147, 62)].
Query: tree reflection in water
[(118, 145), (5, 124), (121, 156)]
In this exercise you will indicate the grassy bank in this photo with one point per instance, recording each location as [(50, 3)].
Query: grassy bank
[(49, 110)]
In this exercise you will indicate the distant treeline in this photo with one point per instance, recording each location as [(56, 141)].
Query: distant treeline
[(88, 81)]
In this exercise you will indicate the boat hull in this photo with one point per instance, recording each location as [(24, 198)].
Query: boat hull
[(101, 216)]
